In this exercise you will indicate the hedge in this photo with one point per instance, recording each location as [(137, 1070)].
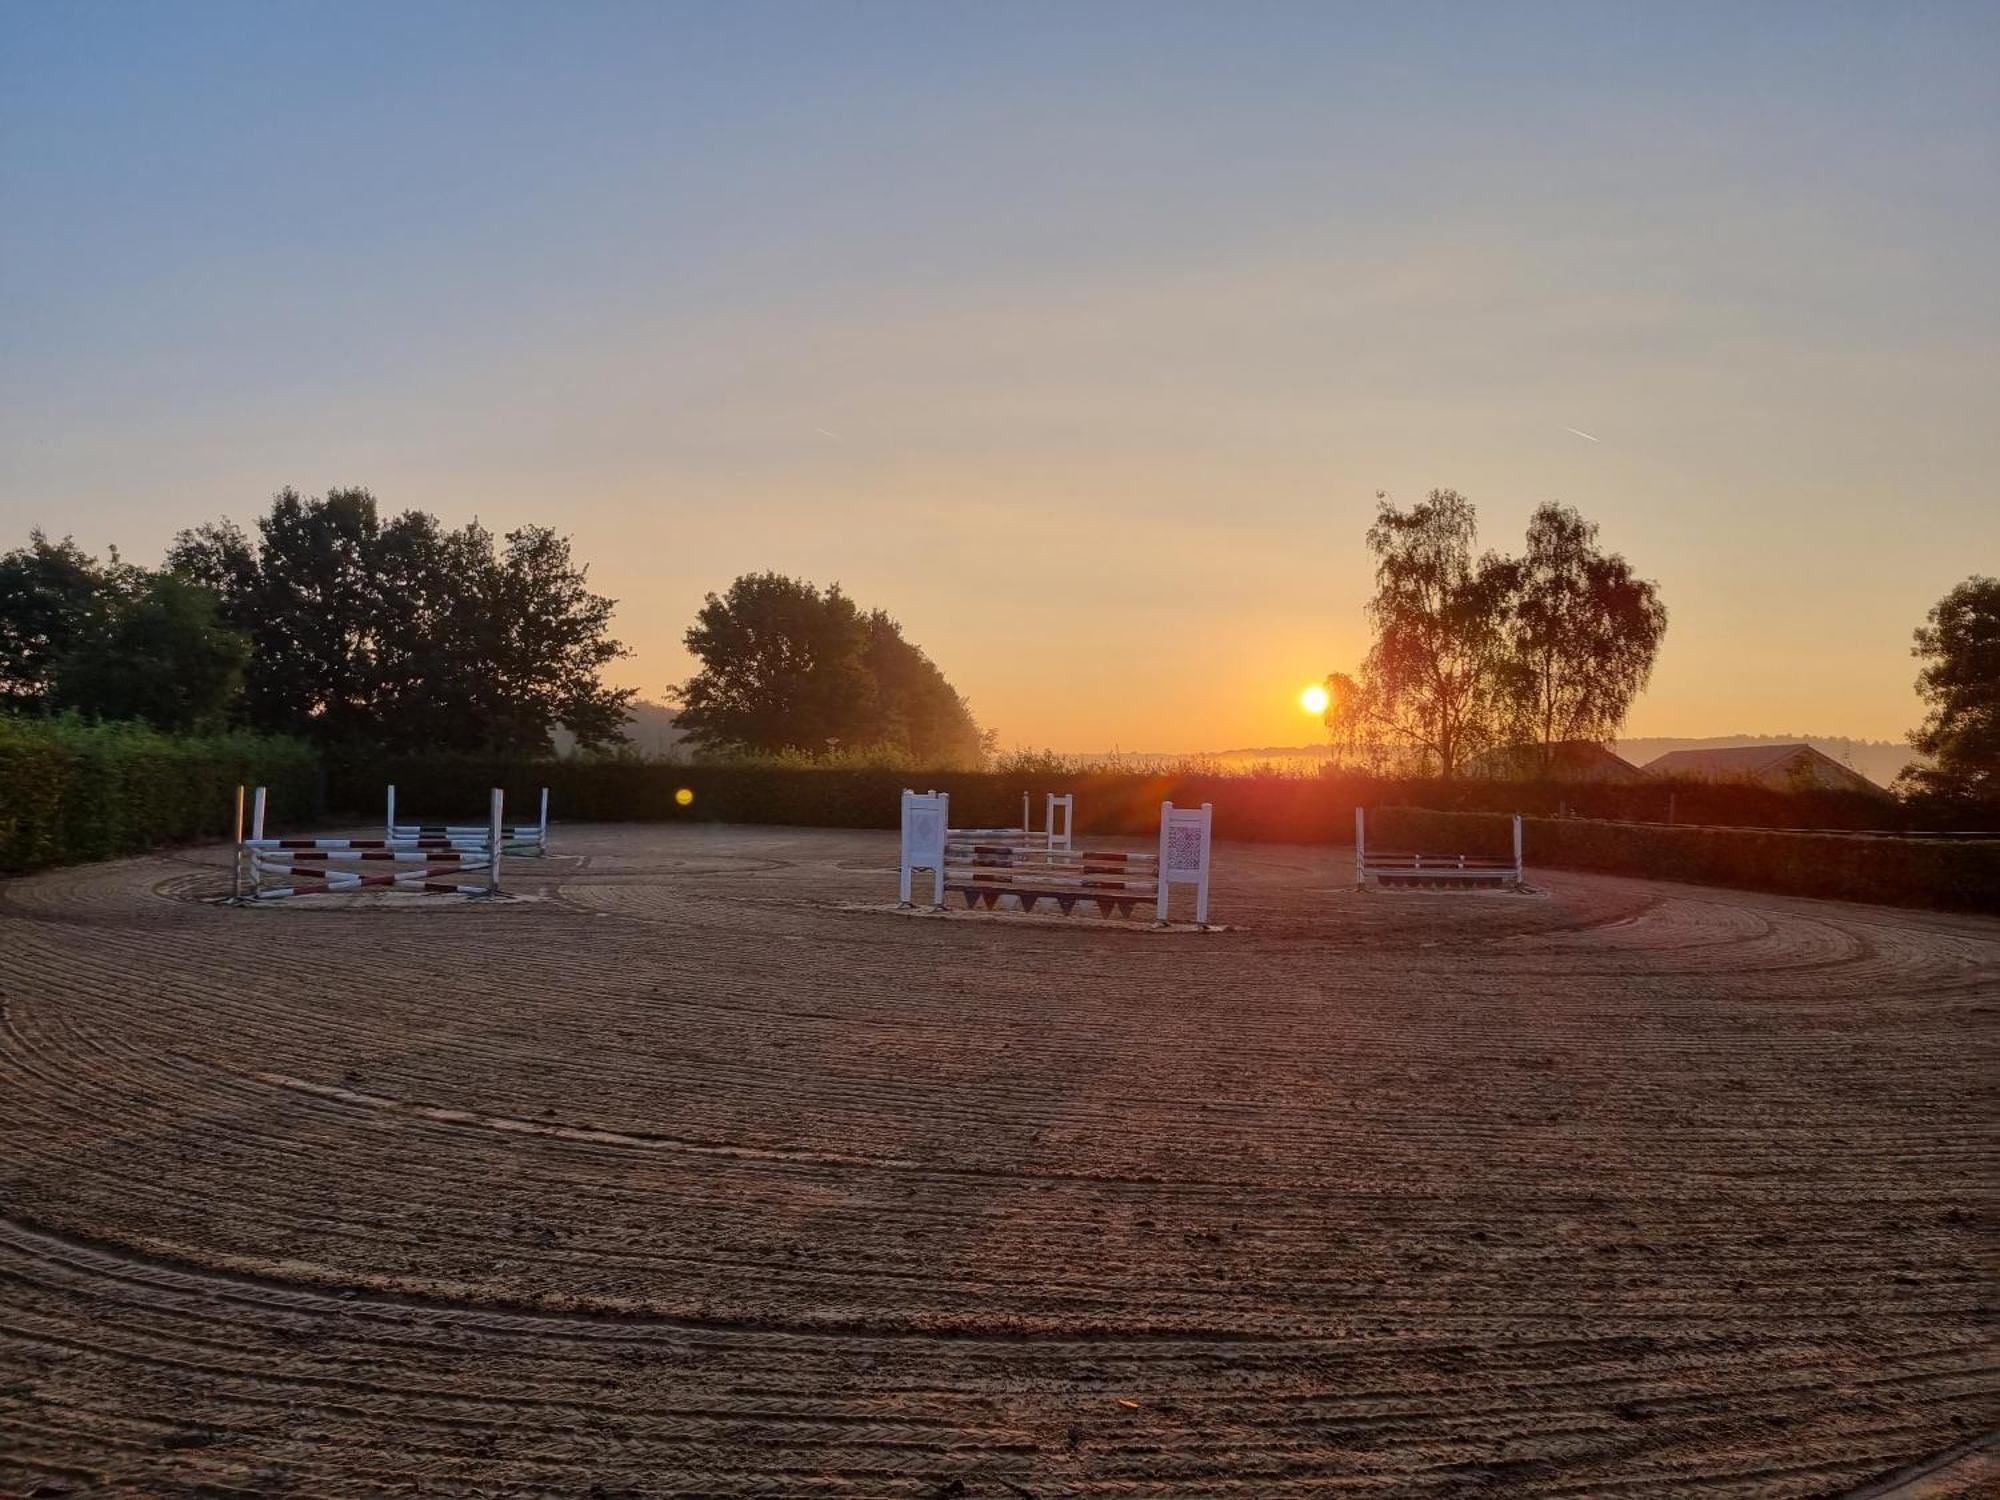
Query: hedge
[(71, 790), (1942, 873)]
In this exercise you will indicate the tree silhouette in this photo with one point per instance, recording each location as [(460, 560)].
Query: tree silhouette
[(1583, 634), (786, 666), (1959, 645), (1474, 650), (405, 635)]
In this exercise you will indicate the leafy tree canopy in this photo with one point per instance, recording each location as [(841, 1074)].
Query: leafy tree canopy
[(162, 655), (53, 596), (405, 635), (1959, 646), (1583, 635), (1474, 650), (787, 666), (110, 640)]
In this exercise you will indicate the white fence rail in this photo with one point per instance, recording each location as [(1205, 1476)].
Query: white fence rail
[(1393, 869)]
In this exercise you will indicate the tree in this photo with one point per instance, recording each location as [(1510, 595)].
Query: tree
[(1583, 634), (787, 666), (53, 596), (1474, 649), (162, 655), (1959, 646), (919, 711), (307, 592), (405, 635), (1434, 684)]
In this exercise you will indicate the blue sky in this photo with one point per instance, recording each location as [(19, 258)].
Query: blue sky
[(1081, 338)]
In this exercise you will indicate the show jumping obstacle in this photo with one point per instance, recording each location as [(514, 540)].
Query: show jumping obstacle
[(523, 840), (1027, 836), (986, 871), (426, 864), (1392, 871)]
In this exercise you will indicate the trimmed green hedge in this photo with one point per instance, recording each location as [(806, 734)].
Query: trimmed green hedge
[(72, 791), (1259, 809), (1942, 873)]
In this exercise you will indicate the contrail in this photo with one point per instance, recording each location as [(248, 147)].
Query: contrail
[(1582, 434), (839, 439)]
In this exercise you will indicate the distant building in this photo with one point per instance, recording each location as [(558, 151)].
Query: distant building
[(1783, 768), (1567, 760)]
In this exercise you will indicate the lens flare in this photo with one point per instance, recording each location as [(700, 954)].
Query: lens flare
[(1313, 700), (685, 796)]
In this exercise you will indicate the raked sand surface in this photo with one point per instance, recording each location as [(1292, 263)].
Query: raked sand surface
[(694, 1175)]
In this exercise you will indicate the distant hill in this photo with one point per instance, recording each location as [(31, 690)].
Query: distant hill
[(1879, 760), (650, 728)]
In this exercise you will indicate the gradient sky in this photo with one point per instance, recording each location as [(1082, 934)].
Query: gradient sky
[(1078, 337)]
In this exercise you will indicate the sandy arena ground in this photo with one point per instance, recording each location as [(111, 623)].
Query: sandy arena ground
[(693, 1176)]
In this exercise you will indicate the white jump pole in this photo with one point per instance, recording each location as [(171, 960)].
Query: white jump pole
[(1517, 847), (236, 864), (903, 855), (389, 819), (1027, 823), (1360, 845), (257, 816), (499, 802), (545, 821)]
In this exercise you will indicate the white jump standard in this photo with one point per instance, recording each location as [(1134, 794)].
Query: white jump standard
[(986, 871), (528, 840), (1391, 871), (432, 865)]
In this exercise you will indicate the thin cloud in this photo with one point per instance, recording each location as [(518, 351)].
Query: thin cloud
[(1582, 434)]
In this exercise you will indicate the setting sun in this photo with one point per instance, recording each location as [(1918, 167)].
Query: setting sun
[(1313, 699)]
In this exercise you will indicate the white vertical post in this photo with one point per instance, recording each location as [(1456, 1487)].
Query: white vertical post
[(1517, 848), (944, 838), (1161, 896), (257, 816), (926, 823), (1360, 846), (495, 833), (236, 861), (903, 858), (542, 839), (389, 818), (1201, 891), (1027, 823)]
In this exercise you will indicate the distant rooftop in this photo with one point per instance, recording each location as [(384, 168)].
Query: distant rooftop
[(1775, 765)]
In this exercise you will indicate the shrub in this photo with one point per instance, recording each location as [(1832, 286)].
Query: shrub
[(72, 790)]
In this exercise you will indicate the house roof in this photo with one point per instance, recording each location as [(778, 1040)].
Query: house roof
[(1749, 762), (1733, 760), (1569, 760)]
